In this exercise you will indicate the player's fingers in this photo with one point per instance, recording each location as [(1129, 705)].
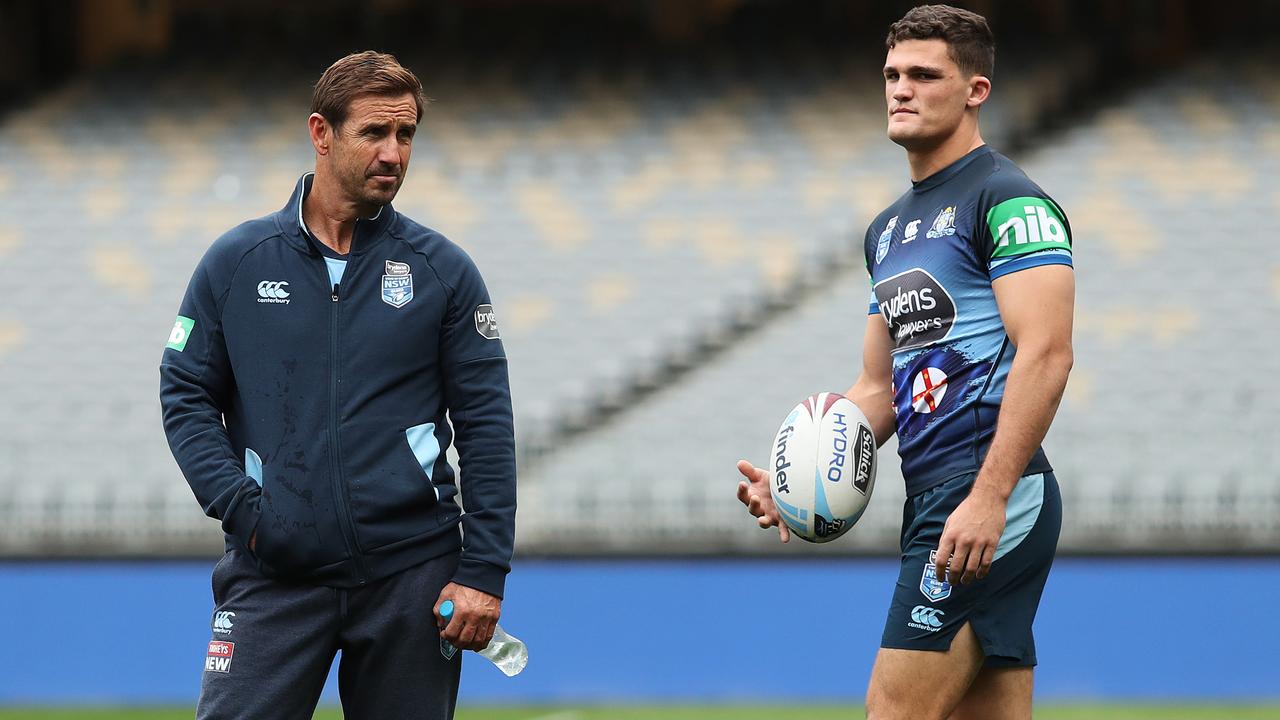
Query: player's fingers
[(959, 558), (762, 476), (945, 547), (971, 565), (747, 469), (988, 557), (744, 492), (784, 533)]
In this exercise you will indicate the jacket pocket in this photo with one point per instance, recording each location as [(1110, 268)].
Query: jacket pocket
[(289, 539), (395, 498)]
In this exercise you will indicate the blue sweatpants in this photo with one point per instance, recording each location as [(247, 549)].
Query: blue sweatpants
[(273, 643)]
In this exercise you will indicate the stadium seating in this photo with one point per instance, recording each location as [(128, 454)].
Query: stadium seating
[(659, 232), (1162, 443)]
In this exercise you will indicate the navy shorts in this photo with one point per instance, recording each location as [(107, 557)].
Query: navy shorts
[(926, 612)]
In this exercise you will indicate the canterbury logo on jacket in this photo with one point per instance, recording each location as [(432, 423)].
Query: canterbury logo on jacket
[(305, 401)]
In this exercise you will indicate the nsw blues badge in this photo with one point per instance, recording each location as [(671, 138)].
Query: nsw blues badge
[(933, 588), (882, 247), (397, 284)]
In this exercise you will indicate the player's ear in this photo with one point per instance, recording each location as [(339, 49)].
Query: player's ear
[(321, 133), (979, 91)]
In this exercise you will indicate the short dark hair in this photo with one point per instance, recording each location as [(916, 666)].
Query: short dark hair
[(358, 74), (969, 40)]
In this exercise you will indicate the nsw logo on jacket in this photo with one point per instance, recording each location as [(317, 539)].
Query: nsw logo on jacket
[(397, 284)]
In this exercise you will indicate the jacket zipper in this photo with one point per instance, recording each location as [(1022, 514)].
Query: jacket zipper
[(335, 454)]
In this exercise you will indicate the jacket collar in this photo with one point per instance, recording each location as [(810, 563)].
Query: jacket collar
[(295, 229)]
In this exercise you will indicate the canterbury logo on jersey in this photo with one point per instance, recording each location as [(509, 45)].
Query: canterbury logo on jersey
[(925, 618), (273, 292)]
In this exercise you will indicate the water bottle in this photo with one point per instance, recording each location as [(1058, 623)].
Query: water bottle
[(509, 653)]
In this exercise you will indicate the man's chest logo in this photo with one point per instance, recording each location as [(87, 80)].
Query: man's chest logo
[(882, 247), (918, 309), (397, 284), (944, 224)]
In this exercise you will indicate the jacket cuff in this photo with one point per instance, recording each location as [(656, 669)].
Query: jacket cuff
[(241, 518), (480, 575)]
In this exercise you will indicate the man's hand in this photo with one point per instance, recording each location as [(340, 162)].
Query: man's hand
[(475, 615), (754, 493), (970, 537)]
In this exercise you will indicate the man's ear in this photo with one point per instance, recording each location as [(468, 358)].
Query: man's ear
[(321, 133), (979, 91)]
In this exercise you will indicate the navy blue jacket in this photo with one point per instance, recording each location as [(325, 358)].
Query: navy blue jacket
[(313, 413)]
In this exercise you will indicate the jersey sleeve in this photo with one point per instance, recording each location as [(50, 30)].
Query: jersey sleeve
[(1020, 227)]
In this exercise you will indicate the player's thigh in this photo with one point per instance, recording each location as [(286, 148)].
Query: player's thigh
[(271, 647), (998, 693), (393, 665), (923, 684)]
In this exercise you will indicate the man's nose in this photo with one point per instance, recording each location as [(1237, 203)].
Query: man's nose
[(902, 90), (389, 152)]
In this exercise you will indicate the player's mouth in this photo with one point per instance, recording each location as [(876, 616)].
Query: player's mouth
[(902, 111)]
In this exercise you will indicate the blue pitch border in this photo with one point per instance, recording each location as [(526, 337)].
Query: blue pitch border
[(658, 630)]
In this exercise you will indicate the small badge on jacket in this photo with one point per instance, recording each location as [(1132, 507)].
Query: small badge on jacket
[(397, 284), (486, 322)]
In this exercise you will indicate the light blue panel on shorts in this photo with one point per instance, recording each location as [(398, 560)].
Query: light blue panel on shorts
[(1021, 513)]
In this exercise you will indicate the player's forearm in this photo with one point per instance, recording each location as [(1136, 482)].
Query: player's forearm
[(1033, 390), (876, 402)]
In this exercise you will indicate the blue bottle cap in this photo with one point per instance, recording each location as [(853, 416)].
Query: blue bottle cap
[(446, 610)]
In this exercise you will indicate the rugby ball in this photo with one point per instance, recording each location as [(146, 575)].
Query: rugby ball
[(823, 467)]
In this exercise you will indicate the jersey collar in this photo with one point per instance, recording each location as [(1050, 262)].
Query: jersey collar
[(949, 171)]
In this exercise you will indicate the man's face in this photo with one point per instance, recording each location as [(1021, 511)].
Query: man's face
[(370, 152), (926, 93)]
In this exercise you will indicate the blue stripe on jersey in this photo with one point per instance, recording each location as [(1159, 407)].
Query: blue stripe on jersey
[(1006, 266)]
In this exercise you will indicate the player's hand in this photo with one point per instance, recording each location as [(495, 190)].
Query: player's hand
[(970, 537), (475, 615), (754, 493)]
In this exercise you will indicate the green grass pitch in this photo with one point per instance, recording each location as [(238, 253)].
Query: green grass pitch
[(710, 712)]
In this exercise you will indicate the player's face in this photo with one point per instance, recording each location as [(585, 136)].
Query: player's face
[(371, 150), (926, 93)]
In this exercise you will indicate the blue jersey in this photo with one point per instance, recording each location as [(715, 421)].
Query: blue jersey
[(932, 256)]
